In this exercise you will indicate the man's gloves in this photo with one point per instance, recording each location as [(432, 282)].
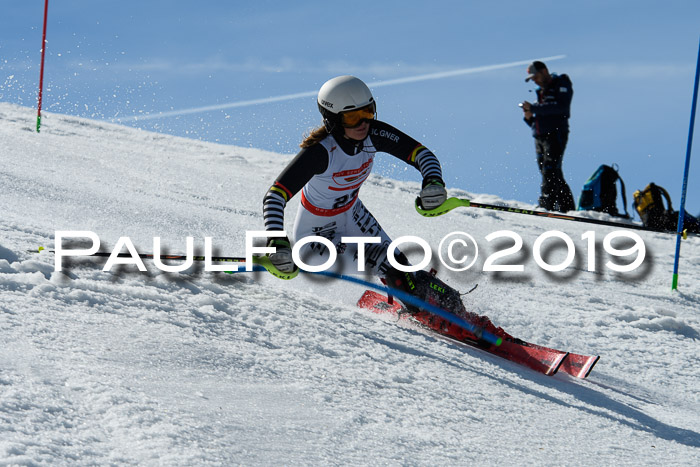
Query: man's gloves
[(433, 193), (282, 258)]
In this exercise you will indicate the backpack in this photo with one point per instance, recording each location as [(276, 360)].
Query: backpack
[(600, 194), (649, 204)]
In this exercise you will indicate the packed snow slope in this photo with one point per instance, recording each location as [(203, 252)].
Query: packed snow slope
[(205, 368)]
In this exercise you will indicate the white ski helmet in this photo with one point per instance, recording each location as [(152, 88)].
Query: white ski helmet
[(342, 94)]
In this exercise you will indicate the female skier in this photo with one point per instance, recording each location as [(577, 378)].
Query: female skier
[(332, 165)]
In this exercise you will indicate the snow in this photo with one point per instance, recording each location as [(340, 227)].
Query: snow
[(205, 368)]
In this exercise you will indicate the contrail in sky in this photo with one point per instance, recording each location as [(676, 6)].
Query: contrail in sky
[(298, 95)]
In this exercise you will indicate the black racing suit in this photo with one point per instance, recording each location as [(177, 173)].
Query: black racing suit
[(550, 127)]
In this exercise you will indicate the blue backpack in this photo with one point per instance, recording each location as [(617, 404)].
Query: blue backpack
[(600, 193)]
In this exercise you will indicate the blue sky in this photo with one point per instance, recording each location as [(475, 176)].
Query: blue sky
[(632, 65)]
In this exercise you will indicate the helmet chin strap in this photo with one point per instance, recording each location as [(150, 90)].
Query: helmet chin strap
[(330, 126), (338, 131)]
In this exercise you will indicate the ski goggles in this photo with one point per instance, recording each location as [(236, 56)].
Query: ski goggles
[(354, 118)]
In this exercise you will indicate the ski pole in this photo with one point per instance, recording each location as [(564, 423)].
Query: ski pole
[(453, 203), (405, 297)]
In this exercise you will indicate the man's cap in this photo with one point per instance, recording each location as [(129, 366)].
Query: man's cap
[(533, 68)]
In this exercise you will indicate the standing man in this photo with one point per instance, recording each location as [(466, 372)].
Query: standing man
[(549, 120)]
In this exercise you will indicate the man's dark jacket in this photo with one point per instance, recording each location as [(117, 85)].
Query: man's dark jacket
[(552, 110)]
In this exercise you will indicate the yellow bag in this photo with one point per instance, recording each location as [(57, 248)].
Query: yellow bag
[(649, 204)]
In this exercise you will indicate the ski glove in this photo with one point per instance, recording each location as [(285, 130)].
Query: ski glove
[(433, 193), (282, 258)]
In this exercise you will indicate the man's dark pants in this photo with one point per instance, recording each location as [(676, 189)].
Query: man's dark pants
[(556, 194)]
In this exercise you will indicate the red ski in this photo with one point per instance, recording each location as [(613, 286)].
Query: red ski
[(541, 359)]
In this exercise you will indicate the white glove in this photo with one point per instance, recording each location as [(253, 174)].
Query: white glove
[(282, 258), (433, 194)]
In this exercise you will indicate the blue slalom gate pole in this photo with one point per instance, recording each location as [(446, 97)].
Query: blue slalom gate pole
[(681, 212)]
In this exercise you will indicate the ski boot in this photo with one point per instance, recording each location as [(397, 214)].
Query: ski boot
[(434, 291)]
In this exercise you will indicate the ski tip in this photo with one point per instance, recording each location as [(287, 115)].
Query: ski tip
[(579, 366), (40, 249), (557, 364), (590, 366)]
